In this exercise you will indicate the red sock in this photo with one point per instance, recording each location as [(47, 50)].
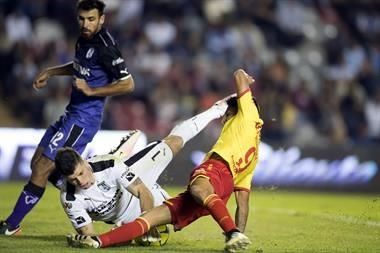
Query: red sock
[(125, 233), (219, 212)]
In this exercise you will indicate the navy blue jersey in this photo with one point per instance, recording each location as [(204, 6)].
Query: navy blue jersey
[(97, 60)]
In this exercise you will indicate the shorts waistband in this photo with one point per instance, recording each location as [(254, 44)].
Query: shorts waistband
[(221, 162)]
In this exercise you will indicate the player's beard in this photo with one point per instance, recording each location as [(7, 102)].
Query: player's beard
[(88, 34)]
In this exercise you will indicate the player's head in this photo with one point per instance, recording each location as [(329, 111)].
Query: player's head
[(74, 168), (90, 17), (232, 108)]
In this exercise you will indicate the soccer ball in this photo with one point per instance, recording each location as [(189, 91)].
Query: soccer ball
[(164, 237)]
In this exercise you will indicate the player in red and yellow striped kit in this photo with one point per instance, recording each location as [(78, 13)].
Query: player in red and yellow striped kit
[(228, 167)]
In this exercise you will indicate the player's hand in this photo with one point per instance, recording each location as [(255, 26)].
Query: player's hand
[(221, 105), (242, 77), (81, 85), (41, 80)]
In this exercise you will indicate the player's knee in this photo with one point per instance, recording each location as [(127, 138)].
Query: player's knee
[(199, 193), (174, 142), (195, 191), (39, 173), (200, 189), (36, 156)]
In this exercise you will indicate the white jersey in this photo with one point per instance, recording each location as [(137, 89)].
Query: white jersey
[(108, 199)]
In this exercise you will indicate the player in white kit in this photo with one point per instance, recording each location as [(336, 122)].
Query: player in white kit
[(107, 188)]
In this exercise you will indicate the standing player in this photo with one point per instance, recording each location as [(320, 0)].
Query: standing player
[(99, 71), (105, 188), (228, 167)]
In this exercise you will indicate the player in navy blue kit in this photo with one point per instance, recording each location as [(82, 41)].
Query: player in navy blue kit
[(99, 71)]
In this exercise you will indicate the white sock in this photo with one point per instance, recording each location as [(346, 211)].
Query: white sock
[(191, 127)]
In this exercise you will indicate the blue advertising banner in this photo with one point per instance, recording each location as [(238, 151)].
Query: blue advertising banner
[(355, 168), (332, 167), (290, 167)]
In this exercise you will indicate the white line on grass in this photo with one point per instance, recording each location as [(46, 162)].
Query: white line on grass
[(333, 217)]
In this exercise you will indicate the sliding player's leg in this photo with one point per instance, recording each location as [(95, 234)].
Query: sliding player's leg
[(157, 216)]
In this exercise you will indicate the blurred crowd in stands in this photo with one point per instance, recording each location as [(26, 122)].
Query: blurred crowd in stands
[(316, 63)]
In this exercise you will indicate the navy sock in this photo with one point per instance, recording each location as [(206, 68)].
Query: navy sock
[(28, 198)]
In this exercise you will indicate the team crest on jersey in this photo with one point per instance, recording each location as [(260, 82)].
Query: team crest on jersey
[(90, 52), (104, 187)]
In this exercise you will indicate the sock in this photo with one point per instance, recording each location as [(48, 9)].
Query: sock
[(219, 212), (25, 203), (191, 127), (229, 233), (125, 233)]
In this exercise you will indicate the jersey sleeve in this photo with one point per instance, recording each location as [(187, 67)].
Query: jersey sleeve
[(76, 211), (247, 107), (124, 176), (113, 62)]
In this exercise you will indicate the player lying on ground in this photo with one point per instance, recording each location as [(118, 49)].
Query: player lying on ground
[(228, 167), (106, 188)]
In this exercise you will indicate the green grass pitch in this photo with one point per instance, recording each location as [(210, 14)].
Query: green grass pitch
[(279, 221)]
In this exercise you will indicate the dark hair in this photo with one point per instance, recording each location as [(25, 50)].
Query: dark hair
[(88, 5), (233, 106), (66, 160)]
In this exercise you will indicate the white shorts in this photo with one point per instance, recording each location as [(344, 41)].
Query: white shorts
[(150, 162)]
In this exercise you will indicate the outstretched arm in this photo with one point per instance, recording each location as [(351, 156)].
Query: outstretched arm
[(242, 81), (242, 209), (61, 70)]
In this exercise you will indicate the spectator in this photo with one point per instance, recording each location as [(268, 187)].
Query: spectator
[(187, 48)]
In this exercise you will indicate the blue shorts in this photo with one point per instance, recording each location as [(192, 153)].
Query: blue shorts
[(68, 131)]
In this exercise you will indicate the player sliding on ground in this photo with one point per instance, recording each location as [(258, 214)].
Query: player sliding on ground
[(106, 188), (228, 167)]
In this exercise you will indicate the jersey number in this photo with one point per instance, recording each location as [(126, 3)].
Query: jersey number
[(249, 156), (54, 141)]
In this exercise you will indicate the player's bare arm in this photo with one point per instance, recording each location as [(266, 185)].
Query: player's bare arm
[(61, 70), (242, 81), (242, 209), (86, 230), (139, 190), (119, 87)]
